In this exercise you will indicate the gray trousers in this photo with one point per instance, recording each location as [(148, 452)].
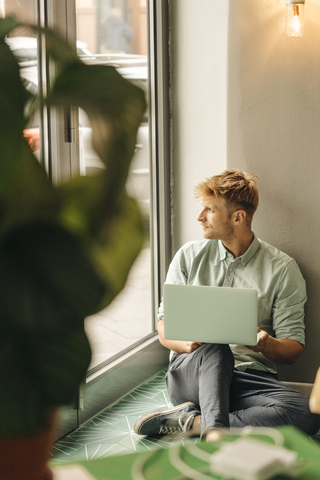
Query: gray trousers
[(227, 397)]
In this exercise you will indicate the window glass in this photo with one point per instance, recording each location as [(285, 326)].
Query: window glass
[(23, 44), (109, 32), (114, 32)]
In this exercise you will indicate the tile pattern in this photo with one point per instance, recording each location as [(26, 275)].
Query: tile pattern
[(111, 431)]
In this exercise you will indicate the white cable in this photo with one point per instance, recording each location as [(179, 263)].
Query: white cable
[(138, 466), (198, 453), (181, 466), (137, 470), (276, 436)]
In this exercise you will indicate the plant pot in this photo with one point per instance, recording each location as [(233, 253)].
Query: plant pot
[(26, 457)]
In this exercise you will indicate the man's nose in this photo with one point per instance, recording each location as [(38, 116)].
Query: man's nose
[(201, 215)]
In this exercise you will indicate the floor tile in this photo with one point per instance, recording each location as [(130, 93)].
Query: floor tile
[(111, 431)]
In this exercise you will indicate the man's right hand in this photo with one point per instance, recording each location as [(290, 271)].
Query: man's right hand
[(176, 345), (192, 346)]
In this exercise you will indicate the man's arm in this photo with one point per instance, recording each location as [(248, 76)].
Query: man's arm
[(278, 350), (175, 345), (288, 319)]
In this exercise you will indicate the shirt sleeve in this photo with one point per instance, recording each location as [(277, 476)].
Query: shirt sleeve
[(288, 307), (177, 274)]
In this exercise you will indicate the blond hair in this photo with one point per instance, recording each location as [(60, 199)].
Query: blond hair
[(238, 189)]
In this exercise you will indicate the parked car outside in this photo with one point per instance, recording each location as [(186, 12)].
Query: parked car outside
[(25, 48)]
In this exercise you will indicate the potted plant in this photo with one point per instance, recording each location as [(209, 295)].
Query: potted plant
[(65, 251)]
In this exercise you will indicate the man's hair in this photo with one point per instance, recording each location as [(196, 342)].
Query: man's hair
[(237, 188)]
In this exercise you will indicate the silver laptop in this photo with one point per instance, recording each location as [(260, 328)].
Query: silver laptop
[(210, 314)]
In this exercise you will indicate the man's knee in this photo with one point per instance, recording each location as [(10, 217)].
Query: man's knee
[(310, 423), (216, 352), (303, 419), (204, 366), (209, 353)]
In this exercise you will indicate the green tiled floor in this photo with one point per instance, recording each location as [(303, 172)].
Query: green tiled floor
[(111, 431)]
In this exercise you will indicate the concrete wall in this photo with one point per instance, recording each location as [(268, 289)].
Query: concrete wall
[(247, 96)]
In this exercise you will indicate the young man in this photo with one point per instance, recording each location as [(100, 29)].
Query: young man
[(215, 385)]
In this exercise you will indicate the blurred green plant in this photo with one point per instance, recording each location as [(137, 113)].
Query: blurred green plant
[(65, 251)]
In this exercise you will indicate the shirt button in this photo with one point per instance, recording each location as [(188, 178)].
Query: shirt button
[(230, 269)]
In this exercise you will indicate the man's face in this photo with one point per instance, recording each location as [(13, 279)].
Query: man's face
[(215, 219)]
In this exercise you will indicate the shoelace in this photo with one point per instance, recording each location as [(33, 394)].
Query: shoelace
[(168, 430), (182, 427), (186, 424)]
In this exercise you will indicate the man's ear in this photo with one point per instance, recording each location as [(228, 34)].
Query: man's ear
[(240, 217)]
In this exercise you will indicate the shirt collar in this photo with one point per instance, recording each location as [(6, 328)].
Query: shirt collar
[(223, 251), (246, 257)]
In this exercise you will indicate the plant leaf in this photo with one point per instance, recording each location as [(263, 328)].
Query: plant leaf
[(11, 107), (39, 373), (65, 251), (63, 53), (25, 193), (127, 235), (6, 25), (115, 108), (61, 363), (47, 281)]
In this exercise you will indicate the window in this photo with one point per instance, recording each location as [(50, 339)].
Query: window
[(121, 33), (115, 33)]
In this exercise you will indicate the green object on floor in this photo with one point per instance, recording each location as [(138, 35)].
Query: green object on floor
[(157, 464)]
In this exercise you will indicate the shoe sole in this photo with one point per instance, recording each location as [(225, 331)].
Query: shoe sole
[(156, 413)]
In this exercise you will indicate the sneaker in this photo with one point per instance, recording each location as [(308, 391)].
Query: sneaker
[(172, 420)]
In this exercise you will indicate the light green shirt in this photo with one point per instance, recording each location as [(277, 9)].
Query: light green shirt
[(276, 277)]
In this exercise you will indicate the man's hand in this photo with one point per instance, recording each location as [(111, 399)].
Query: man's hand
[(176, 345), (277, 350), (192, 346), (262, 342)]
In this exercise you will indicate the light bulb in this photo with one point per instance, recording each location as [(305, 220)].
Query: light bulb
[(295, 18)]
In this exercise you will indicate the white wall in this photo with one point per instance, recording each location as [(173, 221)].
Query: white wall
[(247, 96), (199, 95)]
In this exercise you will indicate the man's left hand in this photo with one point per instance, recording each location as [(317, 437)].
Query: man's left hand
[(263, 339), (277, 350)]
